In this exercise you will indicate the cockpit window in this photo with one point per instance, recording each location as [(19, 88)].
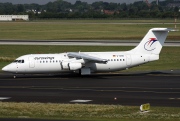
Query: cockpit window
[(18, 61), (15, 61)]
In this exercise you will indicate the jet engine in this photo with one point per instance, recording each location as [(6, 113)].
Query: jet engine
[(71, 66)]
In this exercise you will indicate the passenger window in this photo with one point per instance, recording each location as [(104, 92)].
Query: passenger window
[(22, 61)]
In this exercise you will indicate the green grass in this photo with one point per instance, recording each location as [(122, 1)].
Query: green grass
[(108, 20), (87, 112), (82, 29), (169, 57)]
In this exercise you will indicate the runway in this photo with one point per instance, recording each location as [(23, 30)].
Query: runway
[(82, 42), (156, 88)]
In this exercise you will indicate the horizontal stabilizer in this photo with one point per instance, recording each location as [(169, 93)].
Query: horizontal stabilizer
[(163, 29)]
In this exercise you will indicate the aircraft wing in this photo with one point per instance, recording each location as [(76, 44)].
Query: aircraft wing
[(87, 57)]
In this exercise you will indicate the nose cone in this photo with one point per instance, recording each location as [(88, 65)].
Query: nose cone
[(8, 68), (5, 68), (11, 68)]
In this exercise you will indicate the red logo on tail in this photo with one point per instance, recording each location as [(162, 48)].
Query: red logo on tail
[(149, 45)]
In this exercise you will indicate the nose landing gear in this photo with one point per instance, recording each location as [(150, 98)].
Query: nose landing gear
[(14, 76)]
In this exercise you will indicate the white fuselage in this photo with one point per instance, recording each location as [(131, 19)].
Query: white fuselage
[(57, 63)]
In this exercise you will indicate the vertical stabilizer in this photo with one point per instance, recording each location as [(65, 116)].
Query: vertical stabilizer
[(152, 42)]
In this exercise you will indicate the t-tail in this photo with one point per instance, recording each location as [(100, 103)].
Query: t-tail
[(152, 43)]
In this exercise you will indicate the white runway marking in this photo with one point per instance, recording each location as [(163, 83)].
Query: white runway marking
[(4, 98), (80, 101)]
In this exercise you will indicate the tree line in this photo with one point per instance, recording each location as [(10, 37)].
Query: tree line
[(64, 9)]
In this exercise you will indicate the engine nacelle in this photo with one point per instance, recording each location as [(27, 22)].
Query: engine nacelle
[(71, 66), (65, 65), (75, 66)]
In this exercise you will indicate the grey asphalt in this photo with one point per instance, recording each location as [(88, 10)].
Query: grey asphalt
[(82, 42), (159, 88)]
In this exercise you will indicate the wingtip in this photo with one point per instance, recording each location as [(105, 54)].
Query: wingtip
[(174, 30)]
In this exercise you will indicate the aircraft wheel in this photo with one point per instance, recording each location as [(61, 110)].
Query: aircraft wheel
[(14, 76)]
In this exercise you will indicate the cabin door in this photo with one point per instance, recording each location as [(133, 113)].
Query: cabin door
[(31, 62), (128, 60)]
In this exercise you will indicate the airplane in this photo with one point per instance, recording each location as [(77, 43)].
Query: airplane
[(92, 62)]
